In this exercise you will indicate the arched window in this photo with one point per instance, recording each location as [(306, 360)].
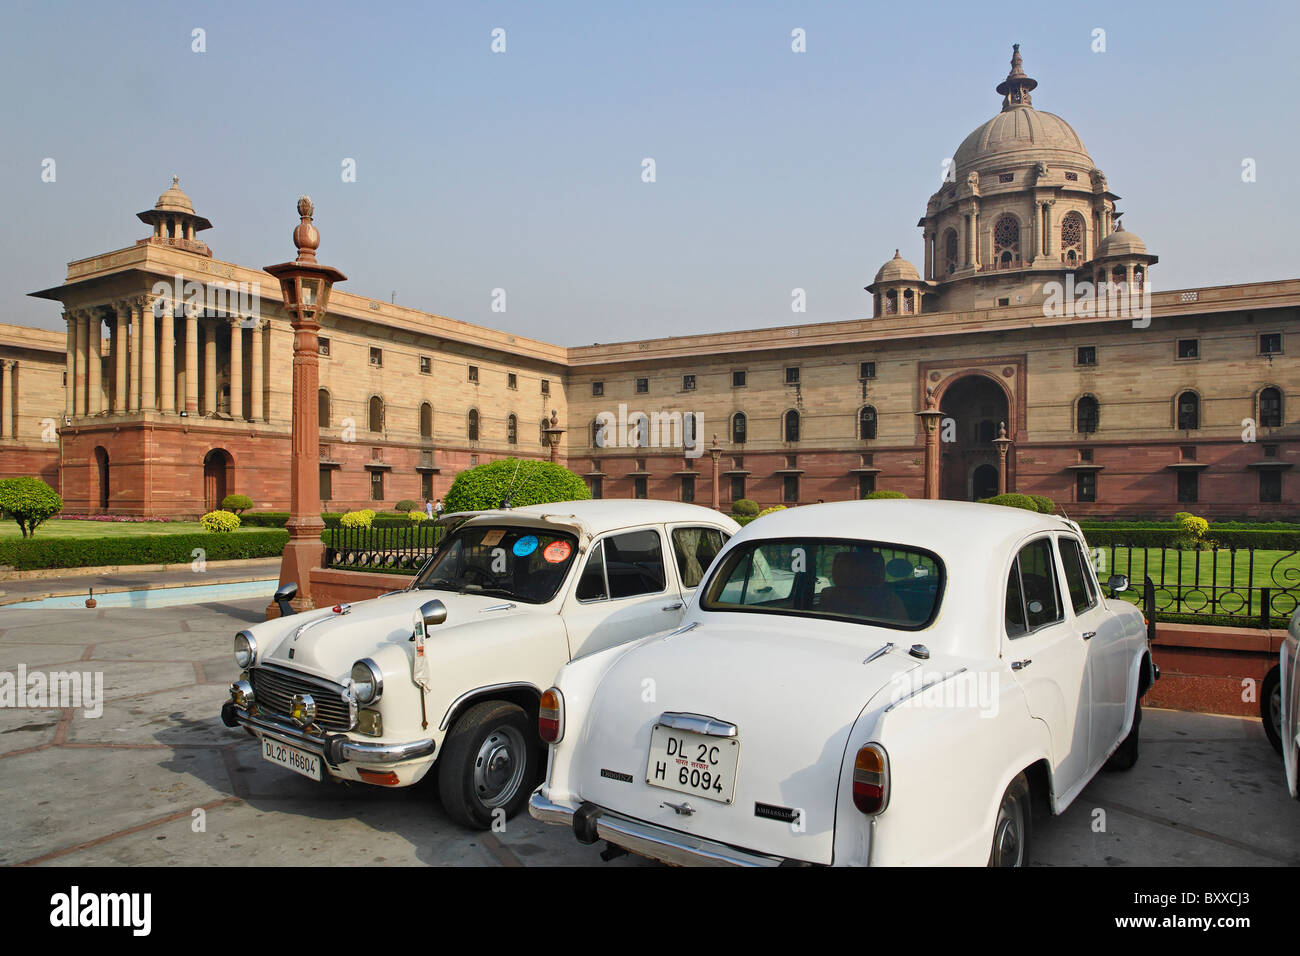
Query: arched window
[(1086, 415), (376, 413), (512, 430), (688, 430), (891, 302), (472, 424), (1072, 239), (867, 422), (1189, 411), (950, 251), (791, 425), (1139, 277), (426, 420), (598, 438), (1118, 276), (1270, 408), (909, 302), (1006, 241), (642, 430), (323, 407), (738, 425), (546, 423)]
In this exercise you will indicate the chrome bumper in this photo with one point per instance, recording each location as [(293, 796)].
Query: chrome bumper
[(646, 839), (336, 749)]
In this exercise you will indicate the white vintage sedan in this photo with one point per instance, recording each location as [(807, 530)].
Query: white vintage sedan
[(449, 671), (876, 682)]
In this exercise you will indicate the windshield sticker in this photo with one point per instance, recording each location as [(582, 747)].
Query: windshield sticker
[(493, 537), (525, 546), (556, 552)]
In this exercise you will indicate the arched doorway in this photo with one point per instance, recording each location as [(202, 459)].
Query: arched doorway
[(99, 493), (216, 478), (968, 459)]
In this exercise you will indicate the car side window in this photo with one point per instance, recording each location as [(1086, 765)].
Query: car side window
[(634, 564), (1015, 604), (591, 586), (695, 549), (1038, 584), (1076, 575)]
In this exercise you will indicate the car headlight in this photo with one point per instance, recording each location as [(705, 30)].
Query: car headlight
[(367, 681), (245, 650)]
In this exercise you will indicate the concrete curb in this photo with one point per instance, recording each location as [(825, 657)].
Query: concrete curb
[(42, 573)]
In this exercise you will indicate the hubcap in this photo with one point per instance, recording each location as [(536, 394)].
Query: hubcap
[(1275, 708), (1007, 844), (499, 767)]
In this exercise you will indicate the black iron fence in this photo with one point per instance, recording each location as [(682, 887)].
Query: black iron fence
[(399, 549)]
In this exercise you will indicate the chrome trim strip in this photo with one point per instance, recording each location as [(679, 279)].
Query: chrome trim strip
[(879, 652), (682, 630), (478, 690), (351, 750), (925, 687), (698, 724), (498, 607)]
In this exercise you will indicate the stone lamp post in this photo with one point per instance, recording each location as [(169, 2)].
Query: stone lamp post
[(1004, 444), (716, 453), (553, 431), (930, 417)]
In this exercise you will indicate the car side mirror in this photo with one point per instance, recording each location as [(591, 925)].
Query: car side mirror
[(433, 613), (1117, 583), (283, 595)]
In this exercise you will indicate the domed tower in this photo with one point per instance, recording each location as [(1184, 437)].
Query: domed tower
[(1121, 257), (1023, 203), (175, 223), (898, 288)]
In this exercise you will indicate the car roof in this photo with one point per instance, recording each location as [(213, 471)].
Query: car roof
[(605, 514)]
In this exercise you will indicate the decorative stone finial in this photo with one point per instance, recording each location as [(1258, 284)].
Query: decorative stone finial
[(555, 419), (305, 236), (1016, 87)]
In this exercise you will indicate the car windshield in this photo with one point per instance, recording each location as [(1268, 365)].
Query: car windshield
[(864, 581), (516, 563)]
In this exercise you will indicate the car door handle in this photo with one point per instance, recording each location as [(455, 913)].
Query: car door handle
[(1089, 635), (1020, 665), (674, 607)]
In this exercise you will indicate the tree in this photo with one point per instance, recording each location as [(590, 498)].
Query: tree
[(520, 482), (29, 501)]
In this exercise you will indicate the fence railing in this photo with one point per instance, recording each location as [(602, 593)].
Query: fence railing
[(1250, 586), (400, 549)]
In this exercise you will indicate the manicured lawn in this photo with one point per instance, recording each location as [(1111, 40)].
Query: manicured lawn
[(60, 528)]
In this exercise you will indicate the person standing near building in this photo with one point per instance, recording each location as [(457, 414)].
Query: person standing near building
[(428, 509), (438, 508)]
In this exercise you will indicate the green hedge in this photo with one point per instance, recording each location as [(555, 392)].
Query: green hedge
[(883, 494), (1171, 537), (1011, 500), (264, 519), (139, 549), (524, 482)]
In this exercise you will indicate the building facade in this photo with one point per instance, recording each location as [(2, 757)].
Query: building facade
[(1032, 330)]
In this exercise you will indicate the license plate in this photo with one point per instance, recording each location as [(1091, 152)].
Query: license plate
[(299, 761), (693, 763)]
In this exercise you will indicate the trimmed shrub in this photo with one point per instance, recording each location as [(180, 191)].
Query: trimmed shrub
[(1045, 504), (236, 503), (744, 507), (1011, 500), (406, 504), (26, 555), (28, 501), (768, 511), (416, 516), (357, 519), (882, 495), (263, 519), (220, 521), (524, 482)]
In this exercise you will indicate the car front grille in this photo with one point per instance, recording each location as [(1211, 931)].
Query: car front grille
[(273, 690)]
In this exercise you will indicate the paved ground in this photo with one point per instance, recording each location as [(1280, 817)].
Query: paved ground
[(124, 788)]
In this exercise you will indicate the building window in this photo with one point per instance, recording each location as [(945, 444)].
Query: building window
[(426, 365), (738, 426), (546, 386), (642, 386), (597, 388), (950, 251), (1087, 415), (1072, 239), (597, 433), (1006, 177), (688, 383), (1006, 241), (323, 408), (1189, 411), (866, 371), (688, 488), (1187, 481), (1085, 355), (326, 484), (512, 380), (1189, 348), (1270, 343), (739, 379), (323, 346), (688, 430), (867, 423), (891, 302), (1085, 455), (790, 421), (1005, 300), (376, 413), (1270, 451), (737, 487), (638, 486), (792, 375), (426, 420), (376, 485), (1072, 177), (790, 490), (473, 374), (1270, 408), (471, 424), (1270, 486), (512, 430), (1085, 486), (909, 302), (376, 357), (866, 485), (1187, 453), (597, 489)]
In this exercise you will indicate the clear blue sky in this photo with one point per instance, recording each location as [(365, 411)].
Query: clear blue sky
[(522, 170)]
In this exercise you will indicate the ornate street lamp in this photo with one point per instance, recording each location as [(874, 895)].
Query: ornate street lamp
[(305, 287), (716, 453), (1004, 445), (553, 431), (930, 417)]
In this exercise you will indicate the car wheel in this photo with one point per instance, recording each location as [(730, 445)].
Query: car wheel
[(1126, 757), (1270, 708), (488, 764), (1012, 826)]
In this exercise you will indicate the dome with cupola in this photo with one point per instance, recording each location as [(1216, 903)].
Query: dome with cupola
[(897, 268), (174, 221)]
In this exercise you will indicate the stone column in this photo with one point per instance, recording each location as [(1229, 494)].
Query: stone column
[(95, 368), (970, 239), (929, 271), (70, 365), (5, 411), (119, 358), (136, 356), (237, 369), (11, 399), (83, 361), (256, 412), (210, 369), (191, 361), (1047, 228), (149, 356), (168, 358)]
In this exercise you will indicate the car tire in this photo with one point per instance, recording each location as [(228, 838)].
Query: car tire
[(488, 765), (1012, 826), (1126, 757), (1270, 708)]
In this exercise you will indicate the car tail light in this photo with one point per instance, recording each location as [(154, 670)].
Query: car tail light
[(550, 716), (871, 779)]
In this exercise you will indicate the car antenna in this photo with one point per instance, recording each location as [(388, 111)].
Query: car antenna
[(505, 499)]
